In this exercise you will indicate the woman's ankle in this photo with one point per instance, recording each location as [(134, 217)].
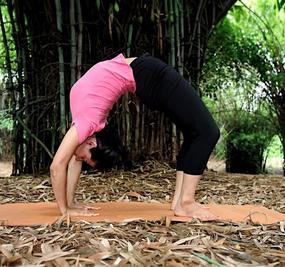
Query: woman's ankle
[(186, 202)]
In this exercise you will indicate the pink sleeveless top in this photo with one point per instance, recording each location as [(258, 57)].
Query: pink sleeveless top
[(94, 94)]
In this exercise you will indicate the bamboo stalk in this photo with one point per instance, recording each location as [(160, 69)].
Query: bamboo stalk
[(198, 54), (171, 33), (182, 19), (152, 137), (157, 141), (142, 137), (10, 84), (197, 18), (127, 119), (137, 125), (126, 97), (177, 36), (130, 37), (61, 70), (147, 146), (34, 136), (73, 43), (161, 129), (172, 62), (80, 36), (160, 34), (26, 151)]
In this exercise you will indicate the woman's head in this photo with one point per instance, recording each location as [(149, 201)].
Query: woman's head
[(102, 151), (83, 152), (109, 151)]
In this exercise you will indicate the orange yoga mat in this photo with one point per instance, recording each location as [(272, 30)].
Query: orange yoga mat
[(24, 214)]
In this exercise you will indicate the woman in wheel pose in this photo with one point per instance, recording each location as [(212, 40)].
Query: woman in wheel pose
[(160, 87)]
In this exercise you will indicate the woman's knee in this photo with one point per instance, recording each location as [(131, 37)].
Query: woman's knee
[(213, 134)]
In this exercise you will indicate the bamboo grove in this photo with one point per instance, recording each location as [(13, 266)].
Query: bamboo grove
[(56, 41)]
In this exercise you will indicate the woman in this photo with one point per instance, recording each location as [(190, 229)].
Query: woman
[(160, 87)]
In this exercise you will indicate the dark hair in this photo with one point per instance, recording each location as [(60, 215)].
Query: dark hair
[(109, 151)]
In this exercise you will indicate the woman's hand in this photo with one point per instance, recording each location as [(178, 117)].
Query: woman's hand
[(82, 210)]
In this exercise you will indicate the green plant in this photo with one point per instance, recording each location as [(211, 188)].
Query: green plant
[(245, 69), (248, 138), (6, 126), (274, 149), (6, 122)]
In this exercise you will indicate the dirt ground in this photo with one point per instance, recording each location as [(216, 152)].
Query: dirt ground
[(147, 243), (5, 168)]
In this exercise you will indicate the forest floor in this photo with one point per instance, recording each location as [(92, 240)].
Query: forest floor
[(5, 168), (147, 243)]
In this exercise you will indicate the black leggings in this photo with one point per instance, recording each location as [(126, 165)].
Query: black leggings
[(161, 87)]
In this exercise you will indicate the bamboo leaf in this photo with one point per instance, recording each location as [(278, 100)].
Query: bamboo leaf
[(116, 7), (207, 259), (98, 3)]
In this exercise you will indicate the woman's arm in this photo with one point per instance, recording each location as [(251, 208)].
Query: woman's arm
[(58, 168), (73, 175)]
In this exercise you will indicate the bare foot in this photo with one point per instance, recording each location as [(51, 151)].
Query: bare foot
[(194, 210)]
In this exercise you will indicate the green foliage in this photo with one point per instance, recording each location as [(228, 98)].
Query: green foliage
[(252, 131), (6, 122), (248, 137), (116, 7), (234, 95), (274, 150), (6, 125), (11, 45), (243, 78), (98, 4), (280, 4), (245, 39), (245, 123)]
